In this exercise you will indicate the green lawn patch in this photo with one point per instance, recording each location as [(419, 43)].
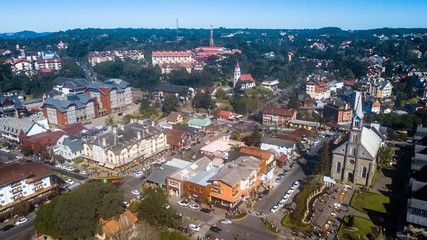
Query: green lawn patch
[(354, 227), (364, 201), (287, 222)]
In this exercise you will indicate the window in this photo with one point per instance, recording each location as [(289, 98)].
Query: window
[(354, 138), (353, 151), (338, 167), (364, 171)]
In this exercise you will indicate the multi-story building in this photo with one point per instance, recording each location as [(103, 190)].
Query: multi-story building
[(31, 182), (108, 56), (68, 147), (122, 145), (11, 128), (48, 65), (235, 180), (271, 83), (172, 60), (317, 87), (379, 88), (277, 116), (73, 108), (268, 164), (338, 112)]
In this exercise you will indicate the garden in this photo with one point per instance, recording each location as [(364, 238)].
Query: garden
[(354, 228)]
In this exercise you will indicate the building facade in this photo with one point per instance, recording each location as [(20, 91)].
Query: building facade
[(277, 116), (339, 112), (317, 87)]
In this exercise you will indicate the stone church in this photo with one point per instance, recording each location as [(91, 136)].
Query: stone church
[(354, 160)]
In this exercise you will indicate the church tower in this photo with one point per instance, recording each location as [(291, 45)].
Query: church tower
[(236, 74)]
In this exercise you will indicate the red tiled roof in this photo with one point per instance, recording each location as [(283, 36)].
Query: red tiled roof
[(247, 77), (282, 158), (172, 54), (225, 114), (14, 172), (348, 82), (286, 112)]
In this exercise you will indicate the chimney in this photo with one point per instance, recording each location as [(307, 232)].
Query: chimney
[(104, 143)]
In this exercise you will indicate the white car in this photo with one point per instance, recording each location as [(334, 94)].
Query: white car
[(285, 198), (293, 187), (126, 204), (226, 221), (296, 183), (138, 174), (135, 192), (21, 221), (275, 209), (194, 206), (58, 165), (194, 227), (70, 169), (183, 203), (69, 181), (83, 172), (18, 157)]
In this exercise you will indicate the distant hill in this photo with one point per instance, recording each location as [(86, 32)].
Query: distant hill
[(23, 34)]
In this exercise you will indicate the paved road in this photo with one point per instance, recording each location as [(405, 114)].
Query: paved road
[(24, 231), (129, 183)]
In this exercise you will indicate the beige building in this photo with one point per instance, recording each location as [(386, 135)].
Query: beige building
[(106, 56)]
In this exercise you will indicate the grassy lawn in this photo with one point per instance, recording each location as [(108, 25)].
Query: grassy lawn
[(359, 229), (286, 221), (363, 201), (224, 104)]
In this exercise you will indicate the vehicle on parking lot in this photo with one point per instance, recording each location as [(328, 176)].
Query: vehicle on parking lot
[(194, 227), (6, 228), (205, 210), (183, 203), (83, 172), (278, 179), (69, 181), (70, 169), (194, 206), (21, 221), (135, 192), (274, 209), (261, 197), (215, 229), (226, 221)]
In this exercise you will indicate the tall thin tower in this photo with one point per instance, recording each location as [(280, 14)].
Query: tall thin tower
[(177, 32), (211, 41)]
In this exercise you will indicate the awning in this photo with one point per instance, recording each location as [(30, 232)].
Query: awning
[(282, 158)]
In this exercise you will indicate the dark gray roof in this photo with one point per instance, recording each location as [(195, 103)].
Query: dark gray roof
[(159, 176), (278, 142), (80, 100), (64, 80), (240, 169), (185, 128), (75, 145), (34, 100), (271, 78), (170, 88)]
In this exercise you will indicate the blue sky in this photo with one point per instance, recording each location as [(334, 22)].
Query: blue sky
[(43, 15)]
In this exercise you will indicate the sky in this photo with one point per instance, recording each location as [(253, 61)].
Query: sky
[(61, 15)]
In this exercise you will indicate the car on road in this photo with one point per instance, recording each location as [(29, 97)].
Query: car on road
[(83, 172), (70, 169), (135, 192), (225, 221), (194, 206), (21, 221), (18, 157), (278, 179), (69, 181), (138, 174), (6, 228), (205, 210), (194, 227), (274, 209), (183, 203), (215, 229)]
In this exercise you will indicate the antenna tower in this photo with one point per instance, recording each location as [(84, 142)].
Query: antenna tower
[(211, 40)]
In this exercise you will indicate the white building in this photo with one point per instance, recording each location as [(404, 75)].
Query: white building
[(11, 128), (68, 147), (27, 182), (278, 145)]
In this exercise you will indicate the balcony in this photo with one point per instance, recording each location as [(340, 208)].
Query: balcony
[(235, 192), (216, 191)]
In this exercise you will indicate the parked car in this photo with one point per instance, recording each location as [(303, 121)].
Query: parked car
[(278, 179), (135, 192), (205, 210), (194, 206), (83, 172), (6, 228), (194, 227), (215, 229), (183, 203), (21, 221), (69, 181), (274, 209), (226, 221), (126, 204)]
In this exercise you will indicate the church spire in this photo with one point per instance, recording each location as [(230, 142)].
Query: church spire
[(358, 113)]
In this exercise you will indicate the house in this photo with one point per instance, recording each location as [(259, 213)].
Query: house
[(317, 87), (122, 145), (335, 85), (68, 148), (48, 65), (378, 87), (277, 116), (242, 81), (220, 147), (175, 138), (414, 107), (227, 115), (306, 101), (337, 111), (33, 105), (31, 182), (124, 221), (354, 160), (12, 128), (176, 182), (199, 123), (281, 146), (175, 117), (11, 106), (271, 83), (62, 45), (158, 176), (182, 92), (235, 181)]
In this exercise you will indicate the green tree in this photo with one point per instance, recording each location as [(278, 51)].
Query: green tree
[(170, 103), (153, 208), (253, 139), (109, 121), (220, 94), (76, 215), (294, 103), (22, 208), (168, 235), (323, 166), (384, 155), (203, 100), (235, 135)]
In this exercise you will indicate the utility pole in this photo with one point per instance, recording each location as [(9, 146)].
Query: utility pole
[(177, 32)]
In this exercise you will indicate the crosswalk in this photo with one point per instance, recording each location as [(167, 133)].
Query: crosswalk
[(259, 214)]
